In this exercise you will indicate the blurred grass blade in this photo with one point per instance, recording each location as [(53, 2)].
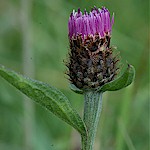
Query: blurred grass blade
[(121, 82), (47, 96)]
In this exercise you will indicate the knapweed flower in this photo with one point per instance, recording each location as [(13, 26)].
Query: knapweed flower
[(91, 62)]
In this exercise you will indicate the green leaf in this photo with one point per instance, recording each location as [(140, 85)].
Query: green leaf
[(75, 89), (121, 82), (47, 96)]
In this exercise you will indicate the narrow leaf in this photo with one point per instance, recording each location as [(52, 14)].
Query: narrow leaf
[(121, 82), (75, 89), (47, 96)]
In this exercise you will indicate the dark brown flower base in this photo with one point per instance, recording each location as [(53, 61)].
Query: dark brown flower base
[(91, 62)]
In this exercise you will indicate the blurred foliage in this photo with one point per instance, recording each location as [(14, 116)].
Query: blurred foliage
[(124, 121)]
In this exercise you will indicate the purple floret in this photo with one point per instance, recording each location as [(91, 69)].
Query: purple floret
[(98, 21)]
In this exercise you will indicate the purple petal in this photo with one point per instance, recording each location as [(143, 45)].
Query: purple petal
[(112, 20), (97, 21)]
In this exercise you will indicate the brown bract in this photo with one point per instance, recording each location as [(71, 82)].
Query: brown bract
[(91, 62)]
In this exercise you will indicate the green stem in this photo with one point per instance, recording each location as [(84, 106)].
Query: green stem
[(92, 111), (28, 69)]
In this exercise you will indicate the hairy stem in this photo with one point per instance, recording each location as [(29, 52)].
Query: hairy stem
[(92, 111)]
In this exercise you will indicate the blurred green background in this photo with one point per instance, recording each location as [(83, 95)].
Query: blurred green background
[(34, 41)]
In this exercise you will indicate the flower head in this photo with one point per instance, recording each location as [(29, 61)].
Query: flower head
[(91, 63), (98, 21)]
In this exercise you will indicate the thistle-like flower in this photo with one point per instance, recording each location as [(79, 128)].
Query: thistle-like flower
[(91, 62)]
